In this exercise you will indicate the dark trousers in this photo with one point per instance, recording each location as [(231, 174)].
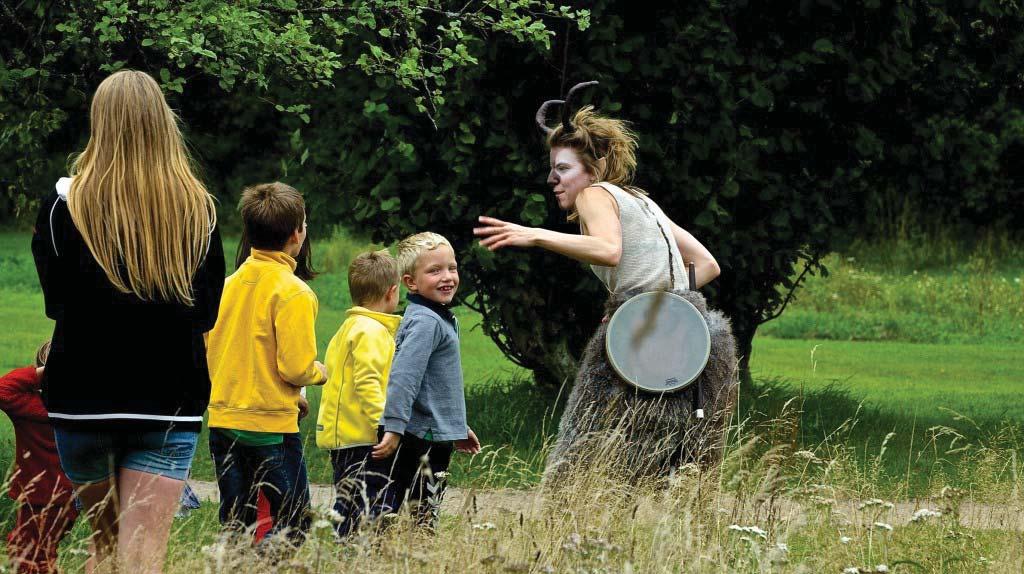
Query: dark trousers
[(32, 544), (420, 484), (279, 471), (361, 487)]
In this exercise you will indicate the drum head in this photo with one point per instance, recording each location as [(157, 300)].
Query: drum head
[(658, 342)]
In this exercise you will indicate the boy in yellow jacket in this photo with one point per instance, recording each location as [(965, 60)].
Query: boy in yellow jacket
[(359, 360), (261, 352)]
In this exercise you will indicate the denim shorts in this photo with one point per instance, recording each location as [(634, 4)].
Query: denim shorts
[(94, 456)]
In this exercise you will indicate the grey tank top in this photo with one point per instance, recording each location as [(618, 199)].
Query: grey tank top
[(647, 245)]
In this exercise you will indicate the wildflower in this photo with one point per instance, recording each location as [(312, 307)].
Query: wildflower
[(881, 568), (322, 524), (924, 514), (749, 530), (875, 502), (484, 526), (883, 526), (335, 516), (84, 552), (778, 553), (845, 539), (851, 570)]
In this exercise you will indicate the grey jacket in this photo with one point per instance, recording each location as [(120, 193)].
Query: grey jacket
[(425, 391)]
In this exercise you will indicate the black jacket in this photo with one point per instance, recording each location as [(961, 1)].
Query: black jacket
[(117, 362)]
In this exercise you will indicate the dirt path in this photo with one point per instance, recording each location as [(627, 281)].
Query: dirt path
[(496, 502)]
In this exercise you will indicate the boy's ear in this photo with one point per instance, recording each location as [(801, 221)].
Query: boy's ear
[(392, 291), (409, 282)]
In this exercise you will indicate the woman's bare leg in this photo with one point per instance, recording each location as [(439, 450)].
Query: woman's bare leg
[(148, 505), (100, 505)]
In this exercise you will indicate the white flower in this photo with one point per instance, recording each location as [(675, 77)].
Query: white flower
[(484, 526), (883, 526), (924, 514), (851, 570), (749, 530), (84, 552), (781, 547), (875, 502), (324, 524), (881, 568), (334, 516), (845, 539)]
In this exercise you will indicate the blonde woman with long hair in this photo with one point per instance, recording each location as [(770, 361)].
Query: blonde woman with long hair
[(132, 268)]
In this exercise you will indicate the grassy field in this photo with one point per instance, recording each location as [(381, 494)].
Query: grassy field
[(849, 404), (897, 385)]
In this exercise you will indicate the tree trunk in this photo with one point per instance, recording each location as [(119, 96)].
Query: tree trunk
[(557, 365), (744, 346)]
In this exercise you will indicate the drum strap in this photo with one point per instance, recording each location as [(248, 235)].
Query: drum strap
[(698, 401)]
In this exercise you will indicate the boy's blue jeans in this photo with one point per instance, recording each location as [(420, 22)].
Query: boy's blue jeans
[(361, 486), (278, 470)]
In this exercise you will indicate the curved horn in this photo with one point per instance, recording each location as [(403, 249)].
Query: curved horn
[(566, 124), (542, 114)]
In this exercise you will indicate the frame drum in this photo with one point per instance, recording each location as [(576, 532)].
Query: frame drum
[(658, 342)]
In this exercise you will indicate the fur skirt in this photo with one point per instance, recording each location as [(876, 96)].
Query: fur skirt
[(609, 422)]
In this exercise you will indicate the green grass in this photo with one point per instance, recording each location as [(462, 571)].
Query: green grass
[(981, 381), (890, 385), (974, 301)]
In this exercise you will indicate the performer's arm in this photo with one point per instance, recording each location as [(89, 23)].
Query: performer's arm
[(704, 263), (601, 244)]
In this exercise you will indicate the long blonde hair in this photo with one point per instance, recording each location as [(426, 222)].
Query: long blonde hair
[(606, 146), (142, 212)]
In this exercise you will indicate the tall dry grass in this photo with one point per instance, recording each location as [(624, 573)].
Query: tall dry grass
[(767, 506)]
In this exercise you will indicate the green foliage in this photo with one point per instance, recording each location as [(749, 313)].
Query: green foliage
[(774, 134), (285, 52)]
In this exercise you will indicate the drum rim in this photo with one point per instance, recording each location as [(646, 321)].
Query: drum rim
[(627, 380)]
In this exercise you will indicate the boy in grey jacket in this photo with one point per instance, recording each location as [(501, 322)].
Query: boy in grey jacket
[(425, 411)]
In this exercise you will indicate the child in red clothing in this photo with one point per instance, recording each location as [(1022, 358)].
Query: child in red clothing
[(46, 510)]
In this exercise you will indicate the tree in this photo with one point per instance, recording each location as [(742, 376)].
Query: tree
[(774, 132), (283, 51)]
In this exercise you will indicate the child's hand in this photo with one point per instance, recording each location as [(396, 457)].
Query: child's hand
[(387, 447), (468, 445), (323, 370), (303, 407)]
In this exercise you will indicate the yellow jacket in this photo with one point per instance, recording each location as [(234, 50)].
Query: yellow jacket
[(358, 362), (263, 347)]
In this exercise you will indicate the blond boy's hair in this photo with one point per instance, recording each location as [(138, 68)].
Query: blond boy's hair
[(371, 275), (410, 249)]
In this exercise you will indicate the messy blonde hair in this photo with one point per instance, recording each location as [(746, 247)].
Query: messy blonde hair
[(371, 275), (606, 146), (143, 214), (410, 249)]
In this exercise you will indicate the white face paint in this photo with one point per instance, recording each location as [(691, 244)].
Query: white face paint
[(568, 176)]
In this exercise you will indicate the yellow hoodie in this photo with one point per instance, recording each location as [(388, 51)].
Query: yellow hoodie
[(358, 361), (263, 347)]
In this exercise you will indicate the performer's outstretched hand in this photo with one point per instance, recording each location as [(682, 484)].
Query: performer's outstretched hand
[(497, 234), (468, 445)]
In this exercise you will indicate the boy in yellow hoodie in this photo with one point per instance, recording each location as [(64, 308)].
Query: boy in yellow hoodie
[(359, 360), (261, 352)]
